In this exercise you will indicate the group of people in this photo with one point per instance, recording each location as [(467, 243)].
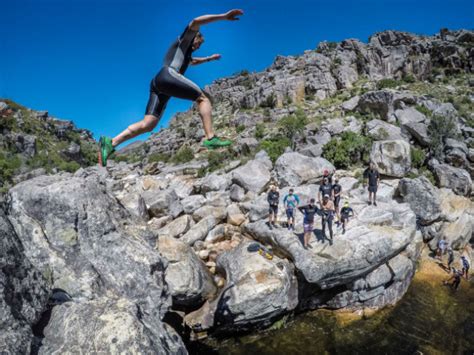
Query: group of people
[(454, 280), (329, 198)]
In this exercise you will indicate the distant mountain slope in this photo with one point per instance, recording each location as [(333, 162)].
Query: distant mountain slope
[(33, 143)]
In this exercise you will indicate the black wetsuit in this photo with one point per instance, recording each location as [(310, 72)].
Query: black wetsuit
[(170, 80), (325, 189), (273, 199), (337, 198)]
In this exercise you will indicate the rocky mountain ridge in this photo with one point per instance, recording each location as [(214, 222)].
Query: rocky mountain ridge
[(136, 256)]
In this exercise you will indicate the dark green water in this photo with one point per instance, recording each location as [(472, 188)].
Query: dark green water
[(430, 319)]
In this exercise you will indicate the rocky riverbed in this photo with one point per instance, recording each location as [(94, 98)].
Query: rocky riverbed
[(157, 248)]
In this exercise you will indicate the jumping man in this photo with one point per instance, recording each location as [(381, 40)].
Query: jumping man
[(170, 82)]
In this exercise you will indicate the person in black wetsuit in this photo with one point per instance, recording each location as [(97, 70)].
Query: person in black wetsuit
[(325, 189), (336, 191), (273, 199), (170, 82)]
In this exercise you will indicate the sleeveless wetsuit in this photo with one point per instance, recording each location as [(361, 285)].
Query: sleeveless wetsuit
[(170, 80)]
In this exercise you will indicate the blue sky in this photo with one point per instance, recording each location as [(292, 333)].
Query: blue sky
[(92, 61)]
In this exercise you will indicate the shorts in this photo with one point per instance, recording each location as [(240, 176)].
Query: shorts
[(290, 213), (372, 188), (308, 227), (273, 209), (337, 199), (344, 218), (169, 83)]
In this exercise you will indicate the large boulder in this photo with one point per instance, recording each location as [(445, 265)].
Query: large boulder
[(253, 176), (453, 178), (257, 291), (381, 130), (422, 197), (107, 326), (161, 203), (23, 293), (177, 227), (187, 277), (391, 158), (414, 123), (83, 241), (295, 169), (362, 249)]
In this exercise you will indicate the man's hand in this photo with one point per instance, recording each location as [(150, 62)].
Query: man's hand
[(232, 14), (215, 57)]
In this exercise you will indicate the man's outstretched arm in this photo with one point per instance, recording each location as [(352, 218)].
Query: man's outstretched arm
[(205, 19), (199, 60)]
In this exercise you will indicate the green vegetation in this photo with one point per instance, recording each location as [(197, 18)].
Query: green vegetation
[(9, 164), (347, 150), (259, 130), (216, 160), (156, 157), (183, 155), (423, 110), (441, 128), (240, 128), (418, 157), (292, 126), (387, 84), (275, 146), (409, 78)]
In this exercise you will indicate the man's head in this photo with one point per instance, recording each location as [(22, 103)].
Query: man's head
[(336, 179), (326, 198), (325, 180), (312, 201), (291, 191), (326, 172), (346, 204), (372, 166), (273, 187), (198, 41)]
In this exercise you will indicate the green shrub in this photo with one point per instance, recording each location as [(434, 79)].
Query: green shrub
[(8, 166), (350, 148), (275, 146), (387, 84), (418, 157), (259, 130), (441, 128), (293, 125), (69, 166), (423, 110), (156, 157), (429, 175), (183, 155), (240, 128), (409, 78)]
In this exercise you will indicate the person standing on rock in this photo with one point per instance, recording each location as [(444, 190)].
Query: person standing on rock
[(170, 82), (442, 245), (456, 277), (373, 181), (346, 213), (309, 211), (465, 267), (325, 189), (336, 193), (273, 199), (327, 215), (291, 202), (450, 258)]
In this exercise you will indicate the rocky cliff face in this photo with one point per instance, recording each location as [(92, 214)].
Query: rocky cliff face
[(32, 143), (106, 258)]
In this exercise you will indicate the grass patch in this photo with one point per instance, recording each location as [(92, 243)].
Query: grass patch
[(347, 150)]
